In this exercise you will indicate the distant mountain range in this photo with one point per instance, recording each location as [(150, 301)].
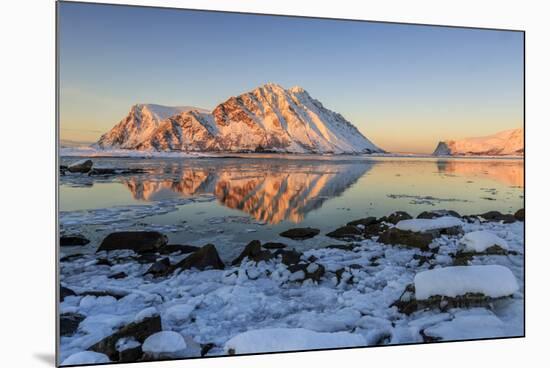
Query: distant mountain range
[(266, 119), (508, 142)]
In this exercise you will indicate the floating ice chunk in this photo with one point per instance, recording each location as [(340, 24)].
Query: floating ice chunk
[(493, 280), (429, 224), (146, 313), (479, 241), (179, 312), (164, 344), (86, 357), (288, 339)]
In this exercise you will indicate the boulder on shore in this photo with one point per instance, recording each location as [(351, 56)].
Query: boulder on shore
[(495, 216), (138, 241), (254, 252), (203, 258), (520, 215), (139, 330), (69, 322), (364, 221), (438, 213), (82, 166), (346, 232), (406, 238), (65, 292), (300, 233), (395, 217), (72, 240)]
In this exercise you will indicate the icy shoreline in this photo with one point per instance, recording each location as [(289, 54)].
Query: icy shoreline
[(125, 153), (360, 289)]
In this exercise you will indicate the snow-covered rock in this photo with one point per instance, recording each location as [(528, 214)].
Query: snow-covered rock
[(288, 339), (165, 344), (267, 118), (86, 357), (421, 225), (508, 142), (492, 280), (479, 241)]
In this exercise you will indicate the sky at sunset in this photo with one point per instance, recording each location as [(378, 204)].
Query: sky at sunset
[(405, 87)]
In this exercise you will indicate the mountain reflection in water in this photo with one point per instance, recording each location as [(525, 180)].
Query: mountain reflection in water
[(267, 192), (507, 172)]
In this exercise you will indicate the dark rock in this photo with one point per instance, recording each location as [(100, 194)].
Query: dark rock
[(254, 252), (65, 292), (138, 330), (374, 230), (205, 348), (347, 247), (103, 262), (70, 257), (159, 267), (72, 240), (274, 245), (177, 248), (315, 275), (395, 217), (100, 293), (203, 258), (69, 322), (406, 238), (119, 275), (449, 231), (289, 257), (408, 304), (495, 216), (438, 213), (82, 166), (463, 258), (130, 355), (138, 241), (147, 258), (364, 221), (520, 215), (300, 233), (346, 232)]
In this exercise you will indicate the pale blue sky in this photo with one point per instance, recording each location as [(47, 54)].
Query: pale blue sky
[(404, 86)]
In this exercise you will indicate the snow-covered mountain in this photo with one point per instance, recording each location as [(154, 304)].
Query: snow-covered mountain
[(268, 118), (139, 124), (508, 142)]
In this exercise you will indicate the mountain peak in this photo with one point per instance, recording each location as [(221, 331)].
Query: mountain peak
[(268, 118)]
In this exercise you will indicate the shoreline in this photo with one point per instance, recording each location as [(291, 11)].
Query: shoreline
[(358, 289), (91, 153)]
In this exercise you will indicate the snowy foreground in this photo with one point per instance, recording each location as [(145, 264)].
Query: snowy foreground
[(468, 283)]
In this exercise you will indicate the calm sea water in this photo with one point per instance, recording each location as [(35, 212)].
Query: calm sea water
[(257, 198)]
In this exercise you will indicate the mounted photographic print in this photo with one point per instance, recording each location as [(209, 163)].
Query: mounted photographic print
[(233, 183)]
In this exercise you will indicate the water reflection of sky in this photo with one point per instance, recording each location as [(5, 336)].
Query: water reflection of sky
[(279, 190)]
